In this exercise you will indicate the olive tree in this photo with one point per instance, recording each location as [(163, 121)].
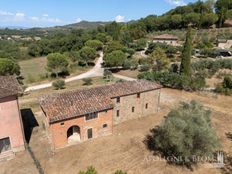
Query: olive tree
[(185, 133)]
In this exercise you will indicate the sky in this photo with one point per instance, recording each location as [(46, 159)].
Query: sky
[(46, 13)]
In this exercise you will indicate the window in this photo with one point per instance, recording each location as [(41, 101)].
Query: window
[(91, 116), (133, 109), (5, 145), (146, 105), (118, 113), (138, 95), (118, 100), (90, 133), (105, 126)]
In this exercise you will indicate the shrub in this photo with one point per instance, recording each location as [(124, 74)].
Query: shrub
[(58, 84), (107, 75), (87, 81), (173, 80), (90, 170), (225, 87), (186, 132), (120, 172), (144, 67)]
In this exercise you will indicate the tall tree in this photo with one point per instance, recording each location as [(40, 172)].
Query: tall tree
[(9, 67), (87, 54), (185, 67), (222, 7), (57, 63), (115, 58), (159, 58)]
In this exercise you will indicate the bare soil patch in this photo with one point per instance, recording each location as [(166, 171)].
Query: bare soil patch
[(129, 73)]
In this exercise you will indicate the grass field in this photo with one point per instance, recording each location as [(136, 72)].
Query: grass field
[(34, 70)]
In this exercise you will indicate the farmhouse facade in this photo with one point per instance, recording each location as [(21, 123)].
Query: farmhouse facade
[(167, 39), (11, 132), (81, 115)]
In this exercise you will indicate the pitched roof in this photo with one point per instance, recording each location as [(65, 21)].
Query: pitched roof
[(166, 37), (81, 102), (9, 86)]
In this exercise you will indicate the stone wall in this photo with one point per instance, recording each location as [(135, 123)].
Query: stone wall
[(11, 123), (150, 98)]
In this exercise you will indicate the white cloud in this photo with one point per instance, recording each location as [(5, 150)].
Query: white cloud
[(78, 20), (5, 13), (176, 2), (52, 20), (34, 18), (120, 18), (45, 15), (17, 17)]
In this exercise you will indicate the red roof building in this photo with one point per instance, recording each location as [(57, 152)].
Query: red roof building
[(11, 133), (77, 116)]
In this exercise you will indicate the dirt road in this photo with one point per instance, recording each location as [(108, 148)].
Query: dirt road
[(96, 71)]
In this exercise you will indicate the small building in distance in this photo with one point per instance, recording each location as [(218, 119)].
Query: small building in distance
[(11, 127), (224, 43), (167, 39), (78, 116)]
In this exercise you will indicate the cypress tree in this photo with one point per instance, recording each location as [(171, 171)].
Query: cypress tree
[(185, 67)]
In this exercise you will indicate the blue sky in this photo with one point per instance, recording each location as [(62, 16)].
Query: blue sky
[(41, 13)]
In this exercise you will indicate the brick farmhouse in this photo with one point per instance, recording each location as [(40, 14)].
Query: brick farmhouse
[(167, 39), (11, 132), (80, 115)]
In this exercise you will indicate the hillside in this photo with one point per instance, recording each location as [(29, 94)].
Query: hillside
[(45, 31)]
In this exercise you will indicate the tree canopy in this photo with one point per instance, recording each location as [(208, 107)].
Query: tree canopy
[(9, 67), (186, 132), (57, 63), (159, 59), (95, 44), (115, 59), (185, 67)]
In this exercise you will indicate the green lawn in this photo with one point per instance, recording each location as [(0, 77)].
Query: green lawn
[(34, 70)]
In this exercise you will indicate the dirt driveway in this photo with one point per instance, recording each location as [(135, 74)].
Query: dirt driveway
[(125, 148)]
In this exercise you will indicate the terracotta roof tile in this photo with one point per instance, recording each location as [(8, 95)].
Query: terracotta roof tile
[(81, 102), (9, 86)]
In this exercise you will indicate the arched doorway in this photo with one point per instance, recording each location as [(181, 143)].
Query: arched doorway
[(74, 134)]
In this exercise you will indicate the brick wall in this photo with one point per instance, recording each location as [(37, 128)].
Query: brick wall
[(11, 123), (144, 104), (58, 132), (149, 98)]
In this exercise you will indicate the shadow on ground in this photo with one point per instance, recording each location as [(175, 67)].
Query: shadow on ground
[(29, 123), (229, 135)]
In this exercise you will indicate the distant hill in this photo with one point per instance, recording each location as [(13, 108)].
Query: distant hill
[(46, 31), (86, 25), (79, 25)]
